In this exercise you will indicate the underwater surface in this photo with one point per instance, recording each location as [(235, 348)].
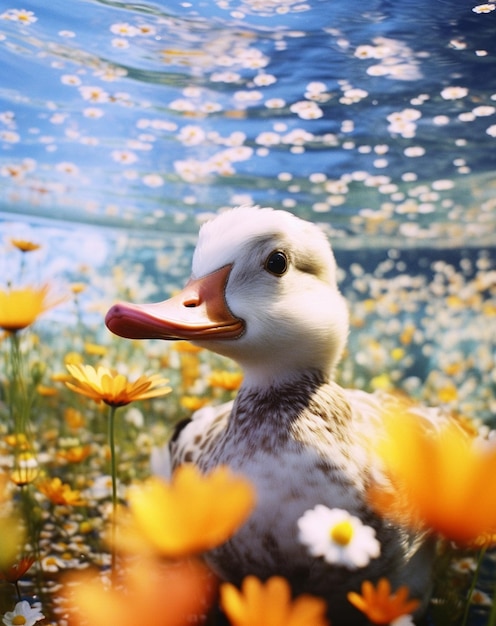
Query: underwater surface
[(125, 125)]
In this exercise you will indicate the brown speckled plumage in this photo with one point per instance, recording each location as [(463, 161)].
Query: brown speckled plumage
[(299, 444)]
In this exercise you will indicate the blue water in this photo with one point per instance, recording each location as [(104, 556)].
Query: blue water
[(147, 115)]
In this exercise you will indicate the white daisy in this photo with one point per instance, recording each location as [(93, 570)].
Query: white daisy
[(24, 614), (338, 537)]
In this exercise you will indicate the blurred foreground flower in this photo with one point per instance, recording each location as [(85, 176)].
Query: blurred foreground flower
[(443, 479), (19, 308), (380, 605), (270, 604), (152, 593), (107, 385), (190, 514), (22, 614), (11, 528)]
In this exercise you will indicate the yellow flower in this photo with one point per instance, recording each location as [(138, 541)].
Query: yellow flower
[(192, 403), (78, 288), (380, 605), (107, 385), (26, 469), (151, 593), (17, 440), (190, 514), (95, 349), (60, 493), (19, 308), (437, 475), (25, 245), (73, 358), (269, 604), (230, 381)]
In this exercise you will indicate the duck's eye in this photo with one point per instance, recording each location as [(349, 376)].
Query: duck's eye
[(276, 263)]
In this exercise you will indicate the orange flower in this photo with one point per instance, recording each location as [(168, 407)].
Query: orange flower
[(380, 605), (74, 418), (269, 604), (152, 593), (107, 385), (75, 454), (19, 308), (190, 514), (443, 479), (16, 571), (60, 493)]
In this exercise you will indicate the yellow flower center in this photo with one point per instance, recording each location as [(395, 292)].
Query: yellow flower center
[(342, 533), (19, 619)]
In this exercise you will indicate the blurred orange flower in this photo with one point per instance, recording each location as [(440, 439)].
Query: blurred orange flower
[(107, 385), (443, 479), (60, 493), (19, 308), (192, 513), (15, 571), (380, 605), (152, 593), (75, 454), (74, 418), (270, 604)]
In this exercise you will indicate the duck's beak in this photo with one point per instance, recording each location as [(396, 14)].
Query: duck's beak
[(199, 311)]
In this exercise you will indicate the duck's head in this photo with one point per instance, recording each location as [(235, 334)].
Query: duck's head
[(263, 292)]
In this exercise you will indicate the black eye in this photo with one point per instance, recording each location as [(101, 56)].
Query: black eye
[(276, 263)]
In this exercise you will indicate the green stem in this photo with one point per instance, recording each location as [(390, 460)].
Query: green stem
[(113, 472), (472, 586), (16, 400), (492, 614)]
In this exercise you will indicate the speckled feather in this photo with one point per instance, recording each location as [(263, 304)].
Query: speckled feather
[(301, 444)]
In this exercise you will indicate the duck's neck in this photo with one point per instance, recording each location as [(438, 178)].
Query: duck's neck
[(309, 400)]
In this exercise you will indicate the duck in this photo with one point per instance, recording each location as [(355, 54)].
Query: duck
[(264, 292)]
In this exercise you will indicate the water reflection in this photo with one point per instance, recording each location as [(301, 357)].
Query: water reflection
[(378, 123)]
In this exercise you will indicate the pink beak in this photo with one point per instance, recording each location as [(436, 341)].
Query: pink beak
[(199, 311)]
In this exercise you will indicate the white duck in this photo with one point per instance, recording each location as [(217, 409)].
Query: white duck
[(263, 292)]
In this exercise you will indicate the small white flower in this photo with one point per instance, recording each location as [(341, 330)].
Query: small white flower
[(94, 94), (338, 537), (484, 8), (22, 611), (125, 157), (124, 29), (20, 15), (153, 180), (454, 93)]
